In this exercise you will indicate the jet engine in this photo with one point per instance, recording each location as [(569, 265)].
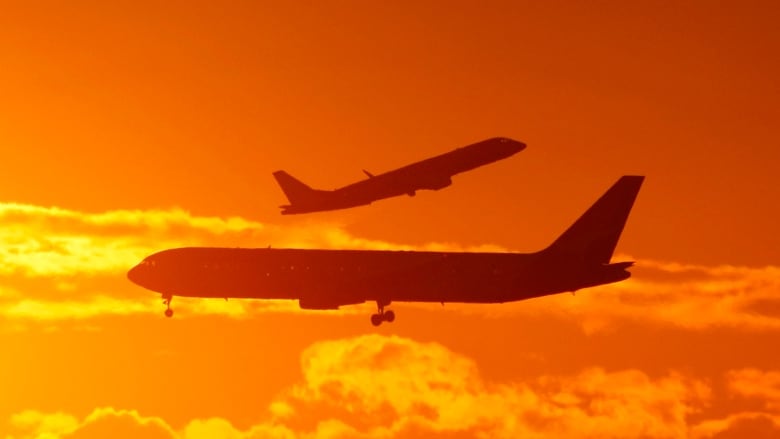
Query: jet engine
[(324, 303), (436, 183)]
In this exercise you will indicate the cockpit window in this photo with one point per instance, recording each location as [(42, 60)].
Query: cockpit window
[(148, 263)]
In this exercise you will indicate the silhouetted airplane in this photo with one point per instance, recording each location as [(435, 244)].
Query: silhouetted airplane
[(434, 173), (327, 279)]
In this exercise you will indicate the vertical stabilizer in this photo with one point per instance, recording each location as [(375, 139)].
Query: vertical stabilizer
[(593, 237), (296, 191)]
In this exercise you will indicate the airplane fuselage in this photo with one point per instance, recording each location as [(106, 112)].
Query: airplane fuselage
[(430, 174), (327, 279)]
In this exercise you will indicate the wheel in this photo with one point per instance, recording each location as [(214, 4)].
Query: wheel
[(168, 312), (389, 316), (376, 319)]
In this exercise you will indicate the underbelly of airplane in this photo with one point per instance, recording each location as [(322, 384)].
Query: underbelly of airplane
[(321, 289)]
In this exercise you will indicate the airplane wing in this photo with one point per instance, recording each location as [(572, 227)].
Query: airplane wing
[(322, 302)]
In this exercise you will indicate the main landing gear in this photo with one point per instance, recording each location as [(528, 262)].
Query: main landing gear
[(382, 315), (167, 303)]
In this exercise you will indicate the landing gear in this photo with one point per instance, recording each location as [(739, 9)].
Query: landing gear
[(382, 315), (167, 303)]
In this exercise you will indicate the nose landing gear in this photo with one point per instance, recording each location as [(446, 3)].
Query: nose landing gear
[(382, 315), (167, 303)]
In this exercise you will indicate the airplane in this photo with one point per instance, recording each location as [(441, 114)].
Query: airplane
[(434, 173), (327, 279)]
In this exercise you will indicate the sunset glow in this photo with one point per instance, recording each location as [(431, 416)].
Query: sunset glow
[(132, 127)]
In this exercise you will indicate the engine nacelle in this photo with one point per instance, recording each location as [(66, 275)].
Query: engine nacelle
[(437, 183), (324, 303)]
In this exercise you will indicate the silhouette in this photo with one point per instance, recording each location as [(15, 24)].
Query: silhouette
[(328, 279), (434, 173)]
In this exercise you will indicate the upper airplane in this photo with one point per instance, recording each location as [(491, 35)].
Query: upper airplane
[(434, 173), (327, 279)]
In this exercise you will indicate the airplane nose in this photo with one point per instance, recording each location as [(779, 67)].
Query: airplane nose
[(134, 274), (511, 146)]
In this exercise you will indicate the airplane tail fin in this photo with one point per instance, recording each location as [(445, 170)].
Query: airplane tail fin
[(296, 191), (595, 234)]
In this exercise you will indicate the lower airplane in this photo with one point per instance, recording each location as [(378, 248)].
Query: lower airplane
[(328, 279)]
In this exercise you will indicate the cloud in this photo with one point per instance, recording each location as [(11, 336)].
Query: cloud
[(101, 423), (757, 384), (751, 425), (40, 241), (64, 264), (397, 385), (42, 425), (376, 386), (383, 387), (109, 422), (690, 297), (51, 241), (56, 310)]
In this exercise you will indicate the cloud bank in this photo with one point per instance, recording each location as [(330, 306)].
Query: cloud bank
[(60, 264), (386, 387)]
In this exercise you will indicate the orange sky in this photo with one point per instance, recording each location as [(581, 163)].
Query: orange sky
[(131, 127)]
